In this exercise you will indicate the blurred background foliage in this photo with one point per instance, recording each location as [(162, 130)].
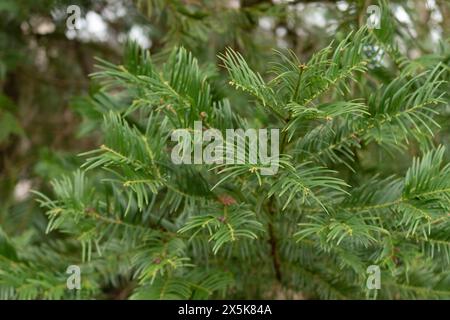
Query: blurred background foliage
[(50, 110)]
